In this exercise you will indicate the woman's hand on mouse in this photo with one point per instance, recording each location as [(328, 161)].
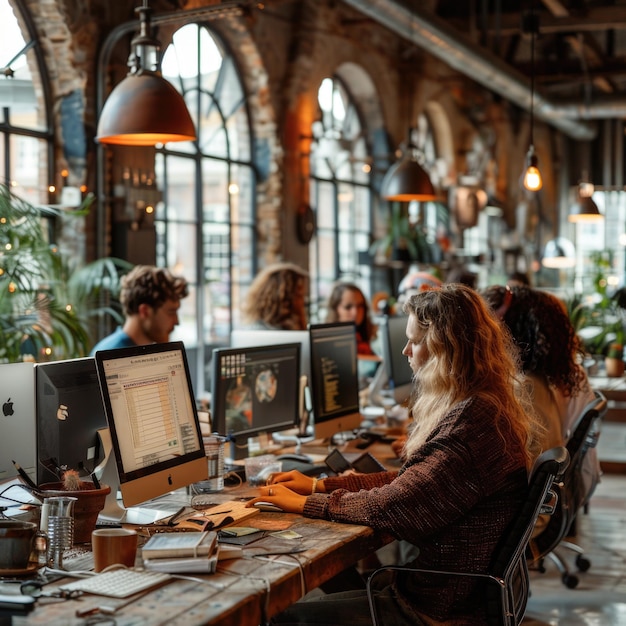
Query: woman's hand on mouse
[(288, 500), (298, 482)]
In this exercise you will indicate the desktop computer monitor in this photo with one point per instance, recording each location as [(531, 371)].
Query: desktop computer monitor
[(17, 420), (399, 372), (154, 430), (334, 379), (69, 415), (245, 338), (394, 379), (254, 390)]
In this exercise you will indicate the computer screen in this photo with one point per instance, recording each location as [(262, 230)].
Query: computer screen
[(17, 421), (153, 423), (254, 390), (69, 414), (335, 378), (393, 382), (399, 372), (243, 337)]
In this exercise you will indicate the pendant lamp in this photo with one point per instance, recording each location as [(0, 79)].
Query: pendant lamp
[(407, 180), (559, 253), (585, 209), (532, 176), (144, 109)]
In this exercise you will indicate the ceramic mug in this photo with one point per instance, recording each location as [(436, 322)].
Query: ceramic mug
[(111, 546), (18, 542)]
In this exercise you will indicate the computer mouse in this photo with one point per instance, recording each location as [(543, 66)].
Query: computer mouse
[(301, 458), (268, 507)]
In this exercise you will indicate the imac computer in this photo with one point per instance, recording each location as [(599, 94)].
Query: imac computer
[(154, 432), (17, 420), (254, 390), (334, 379), (394, 379), (69, 415)]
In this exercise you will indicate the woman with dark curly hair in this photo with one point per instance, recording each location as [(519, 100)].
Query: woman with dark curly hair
[(551, 353), (276, 298), (347, 303)]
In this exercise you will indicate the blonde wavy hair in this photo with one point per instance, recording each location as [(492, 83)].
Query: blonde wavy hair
[(470, 355), (271, 297)]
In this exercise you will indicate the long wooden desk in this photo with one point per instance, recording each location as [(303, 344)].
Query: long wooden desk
[(244, 591), (612, 442), (614, 388)]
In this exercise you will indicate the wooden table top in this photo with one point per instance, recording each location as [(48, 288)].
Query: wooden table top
[(244, 591)]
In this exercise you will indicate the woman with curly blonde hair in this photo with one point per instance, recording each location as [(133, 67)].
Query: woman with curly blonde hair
[(464, 477), (276, 298)]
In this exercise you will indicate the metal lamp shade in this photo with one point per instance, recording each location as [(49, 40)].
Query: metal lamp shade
[(406, 180), (144, 110), (585, 210), (559, 253)]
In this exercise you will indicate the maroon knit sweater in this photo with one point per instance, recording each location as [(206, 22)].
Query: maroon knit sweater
[(452, 499)]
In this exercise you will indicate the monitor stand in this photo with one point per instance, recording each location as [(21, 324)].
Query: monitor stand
[(114, 511)]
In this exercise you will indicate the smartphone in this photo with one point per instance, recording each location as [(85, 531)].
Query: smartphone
[(336, 462), (368, 464)]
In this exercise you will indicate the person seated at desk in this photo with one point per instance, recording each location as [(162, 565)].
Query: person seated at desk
[(275, 299), (551, 353), (347, 303), (150, 298), (464, 478)]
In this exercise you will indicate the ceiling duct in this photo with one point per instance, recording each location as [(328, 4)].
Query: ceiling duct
[(459, 52)]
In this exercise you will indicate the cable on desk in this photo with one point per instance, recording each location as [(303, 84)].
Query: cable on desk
[(303, 590)]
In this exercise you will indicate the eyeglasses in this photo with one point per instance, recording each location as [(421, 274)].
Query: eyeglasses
[(34, 589)]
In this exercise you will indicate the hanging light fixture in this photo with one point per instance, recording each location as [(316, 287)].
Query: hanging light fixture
[(406, 179), (144, 109), (559, 253), (585, 209), (532, 175)]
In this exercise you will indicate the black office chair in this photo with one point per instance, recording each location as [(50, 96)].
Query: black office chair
[(573, 495), (506, 598)]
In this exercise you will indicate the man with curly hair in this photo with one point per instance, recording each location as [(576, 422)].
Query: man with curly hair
[(276, 299), (150, 298)]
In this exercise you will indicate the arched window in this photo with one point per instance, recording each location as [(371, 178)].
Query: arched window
[(340, 194), (205, 225), (26, 138)]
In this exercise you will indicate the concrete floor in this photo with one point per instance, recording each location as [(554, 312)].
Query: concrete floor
[(600, 597)]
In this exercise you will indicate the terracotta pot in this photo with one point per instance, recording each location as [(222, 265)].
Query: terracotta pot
[(90, 502), (614, 367)]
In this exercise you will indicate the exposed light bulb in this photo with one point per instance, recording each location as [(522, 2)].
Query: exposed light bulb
[(532, 176), (532, 179)]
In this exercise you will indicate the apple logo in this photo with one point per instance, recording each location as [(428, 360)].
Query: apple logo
[(62, 413), (7, 408)]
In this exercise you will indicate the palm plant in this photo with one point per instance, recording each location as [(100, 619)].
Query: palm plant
[(47, 300)]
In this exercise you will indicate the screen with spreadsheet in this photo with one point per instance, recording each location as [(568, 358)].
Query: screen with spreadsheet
[(152, 419)]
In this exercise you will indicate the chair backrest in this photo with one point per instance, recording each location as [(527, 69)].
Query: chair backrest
[(571, 490), (507, 585), (508, 604)]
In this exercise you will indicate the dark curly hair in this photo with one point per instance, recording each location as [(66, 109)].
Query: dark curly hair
[(146, 284), (547, 341)]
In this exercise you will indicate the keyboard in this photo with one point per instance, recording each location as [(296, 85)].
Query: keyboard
[(119, 583)]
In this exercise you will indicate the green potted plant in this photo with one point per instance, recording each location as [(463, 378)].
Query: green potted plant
[(48, 301), (404, 241)]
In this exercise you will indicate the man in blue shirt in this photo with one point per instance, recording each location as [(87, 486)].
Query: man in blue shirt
[(150, 298)]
